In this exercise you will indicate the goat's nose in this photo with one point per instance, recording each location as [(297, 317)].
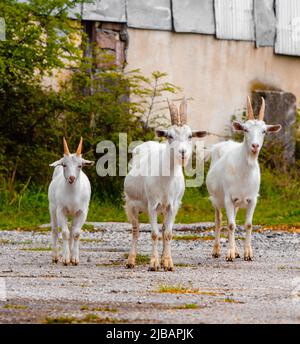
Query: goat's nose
[(255, 145), (71, 179), (182, 151)]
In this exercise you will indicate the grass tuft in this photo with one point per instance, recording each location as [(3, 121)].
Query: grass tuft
[(188, 306), (140, 258), (12, 306), (36, 249), (180, 289), (98, 309)]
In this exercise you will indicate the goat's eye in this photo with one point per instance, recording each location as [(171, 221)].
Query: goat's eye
[(264, 131), (245, 130), (170, 137), (79, 166), (190, 137), (63, 165)]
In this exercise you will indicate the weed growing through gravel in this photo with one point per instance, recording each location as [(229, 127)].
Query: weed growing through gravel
[(188, 306), (11, 306), (140, 258), (4, 242), (230, 300), (98, 309), (180, 289), (38, 249), (87, 319), (194, 237), (87, 240)]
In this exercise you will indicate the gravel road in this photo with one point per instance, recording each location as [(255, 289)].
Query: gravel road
[(101, 290)]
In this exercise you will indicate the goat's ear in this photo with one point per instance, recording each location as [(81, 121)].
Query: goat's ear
[(237, 126), (161, 133), (273, 128), (56, 163), (87, 162), (199, 133)]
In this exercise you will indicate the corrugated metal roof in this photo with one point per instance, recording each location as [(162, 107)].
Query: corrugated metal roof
[(234, 19), (149, 14), (105, 10), (194, 16), (288, 27), (265, 22)]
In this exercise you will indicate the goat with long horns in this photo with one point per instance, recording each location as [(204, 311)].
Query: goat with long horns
[(155, 184), (69, 195), (233, 179)]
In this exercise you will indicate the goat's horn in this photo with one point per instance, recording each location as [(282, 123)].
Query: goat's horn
[(79, 148), (183, 111), (175, 119), (249, 109), (262, 110), (66, 148)]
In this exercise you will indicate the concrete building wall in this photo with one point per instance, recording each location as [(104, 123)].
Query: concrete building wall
[(217, 74)]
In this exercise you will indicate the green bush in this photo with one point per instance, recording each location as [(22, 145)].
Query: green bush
[(93, 104)]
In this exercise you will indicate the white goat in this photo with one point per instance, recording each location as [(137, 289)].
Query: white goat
[(69, 195), (233, 179), (161, 189)]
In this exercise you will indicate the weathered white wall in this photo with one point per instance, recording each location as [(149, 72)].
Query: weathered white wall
[(218, 74)]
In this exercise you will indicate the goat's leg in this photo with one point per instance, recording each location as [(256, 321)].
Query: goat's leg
[(218, 223), (63, 224), (132, 214), (54, 230), (163, 228), (154, 261), (230, 211), (77, 223), (237, 253), (248, 254), (167, 262)]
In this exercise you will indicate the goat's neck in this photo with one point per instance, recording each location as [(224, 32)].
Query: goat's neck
[(247, 158), (170, 163)]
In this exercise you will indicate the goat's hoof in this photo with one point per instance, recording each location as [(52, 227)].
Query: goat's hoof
[(231, 254), (237, 255), (215, 255), (54, 260), (167, 264), (248, 255), (248, 258), (170, 268), (129, 266), (75, 262), (153, 268), (66, 262), (154, 264)]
